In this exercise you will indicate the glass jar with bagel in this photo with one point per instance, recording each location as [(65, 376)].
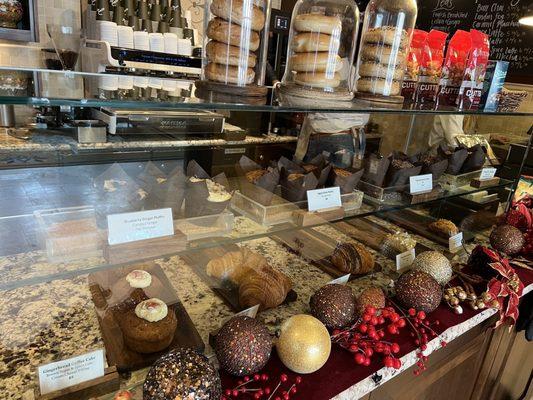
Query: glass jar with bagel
[(235, 42), (385, 40), (322, 43)]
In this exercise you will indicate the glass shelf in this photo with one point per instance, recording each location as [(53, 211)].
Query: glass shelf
[(244, 230), (43, 85)]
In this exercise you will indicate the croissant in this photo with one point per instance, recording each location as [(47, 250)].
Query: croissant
[(234, 265), (352, 258), (266, 287)]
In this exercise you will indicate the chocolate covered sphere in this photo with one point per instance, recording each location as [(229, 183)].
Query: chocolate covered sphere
[(372, 296), (182, 374), (507, 239), (333, 305), (419, 290), (304, 344), (434, 263), (243, 346)]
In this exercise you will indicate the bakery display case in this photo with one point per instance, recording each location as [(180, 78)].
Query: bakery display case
[(211, 252), (322, 42)]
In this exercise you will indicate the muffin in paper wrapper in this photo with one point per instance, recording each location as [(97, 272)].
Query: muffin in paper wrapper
[(345, 179), (255, 182), (319, 166), (376, 168), (456, 158), (164, 191), (116, 193), (400, 170), (294, 185), (475, 160), (290, 166), (434, 165), (200, 200)]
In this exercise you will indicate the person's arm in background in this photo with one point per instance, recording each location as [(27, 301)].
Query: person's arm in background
[(445, 129)]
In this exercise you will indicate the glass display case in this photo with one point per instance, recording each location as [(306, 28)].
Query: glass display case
[(173, 230)]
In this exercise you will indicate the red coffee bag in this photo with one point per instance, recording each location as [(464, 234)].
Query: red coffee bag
[(413, 64)]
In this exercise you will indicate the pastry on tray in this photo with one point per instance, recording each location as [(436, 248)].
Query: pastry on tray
[(149, 327), (234, 265), (352, 258), (444, 228), (397, 243), (259, 183)]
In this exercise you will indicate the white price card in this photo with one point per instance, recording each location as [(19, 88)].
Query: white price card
[(420, 183), (404, 260), (141, 225), (487, 173), (321, 199), (342, 280), (455, 242), (72, 371)]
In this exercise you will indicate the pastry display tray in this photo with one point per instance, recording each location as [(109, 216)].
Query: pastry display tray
[(281, 211), (109, 288), (396, 195), (68, 234), (206, 226), (227, 291), (452, 182)]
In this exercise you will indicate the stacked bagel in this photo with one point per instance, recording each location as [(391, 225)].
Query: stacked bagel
[(315, 45), (382, 60), (234, 34)]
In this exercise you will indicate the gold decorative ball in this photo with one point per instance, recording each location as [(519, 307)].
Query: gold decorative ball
[(304, 344)]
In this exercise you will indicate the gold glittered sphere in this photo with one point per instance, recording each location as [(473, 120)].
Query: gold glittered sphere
[(304, 344)]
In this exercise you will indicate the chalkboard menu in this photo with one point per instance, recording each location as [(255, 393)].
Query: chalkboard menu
[(509, 40)]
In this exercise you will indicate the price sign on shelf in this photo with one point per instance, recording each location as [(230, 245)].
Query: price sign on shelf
[(321, 199), (455, 242), (342, 280), (420, 183), (487, 173), (72, 371), (130, 227), (404, 260)]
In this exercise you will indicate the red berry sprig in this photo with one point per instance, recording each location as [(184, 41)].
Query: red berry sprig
[(365, 337), (245, 389)]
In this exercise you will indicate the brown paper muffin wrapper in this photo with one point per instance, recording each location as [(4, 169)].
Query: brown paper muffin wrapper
[(296, 190), (475, 160), (262, 190), (346, 184), (197, 194), (375, 170), (455, 157), (290, 166), (126, 195), (401, 177), (436, 169)]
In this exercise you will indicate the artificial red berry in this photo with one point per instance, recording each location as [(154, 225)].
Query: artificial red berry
[(257, 396), (298, 380), (392, 329), (366, 363), (234, 393), (370, 310), (394, 317), (363, 328), (397, 363), (423, 347), (381, 320), (421, 315), (374, 320), (227, 392), (412, 312), (369, 352), (443, 343), (293, 390), (286, 396), (381, 334), (257, 377), (266, 390), (395, 348), (359, 358), (388, 361), (367, 317), (246, 378), (416, 372), (400, 323), (283, 378)]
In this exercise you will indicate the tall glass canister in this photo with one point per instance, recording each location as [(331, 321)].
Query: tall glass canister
[(322, 42), (385, 39), (235, 41)]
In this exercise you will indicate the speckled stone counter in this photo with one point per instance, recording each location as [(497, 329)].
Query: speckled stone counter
[(49, 321)]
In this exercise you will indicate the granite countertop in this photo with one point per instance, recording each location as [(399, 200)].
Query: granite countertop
[(50, 140), (45, 322)]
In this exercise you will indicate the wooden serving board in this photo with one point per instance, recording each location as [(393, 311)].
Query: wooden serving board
[(315, 247), (417, 223), (227, 291), (109, 288), (370, 233)]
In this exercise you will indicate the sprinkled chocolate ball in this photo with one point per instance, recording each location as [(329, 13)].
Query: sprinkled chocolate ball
[(372, 296), (182, 374), (434, 263), (333, 305), (507, 239), (419, 290), (243, 346)]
